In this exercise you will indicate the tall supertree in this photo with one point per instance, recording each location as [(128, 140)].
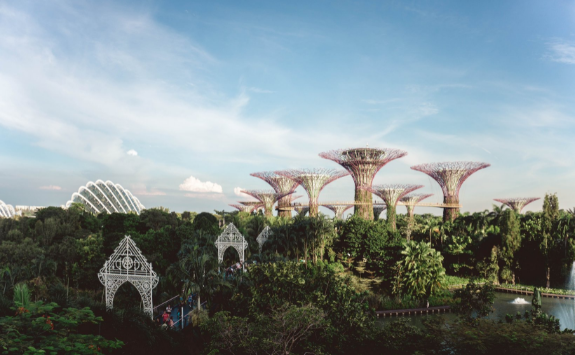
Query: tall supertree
[(363, 164), (450, 176), (377, 210), (411, 200), (517, 203), (339, 210), (313, 181), (281, 185), (268, 198), (243, 208), (390, 194)]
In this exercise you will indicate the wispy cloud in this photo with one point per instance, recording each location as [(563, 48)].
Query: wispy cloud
[(195, 185), (50, 187), (132, 152), (561, 51)]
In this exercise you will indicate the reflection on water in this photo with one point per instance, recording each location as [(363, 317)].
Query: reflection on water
[(504, 304)]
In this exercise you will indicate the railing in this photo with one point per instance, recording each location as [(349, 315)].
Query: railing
[(184, 316), (161, 304)]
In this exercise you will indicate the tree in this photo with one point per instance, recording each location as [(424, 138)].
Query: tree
[(510, 240), (198, 271), (421, 272), (476, 301), (41, 329), (546, 243)]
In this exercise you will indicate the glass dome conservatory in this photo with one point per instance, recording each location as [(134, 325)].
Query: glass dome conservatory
[(6, 211), (107, 197)]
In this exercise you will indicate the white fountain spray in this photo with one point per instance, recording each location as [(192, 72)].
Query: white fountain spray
[(567, 311)]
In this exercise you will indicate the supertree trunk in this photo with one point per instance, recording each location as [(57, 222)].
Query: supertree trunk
[(284, 205), (313, 208), (450, 213), (365, 207), (391, 217)]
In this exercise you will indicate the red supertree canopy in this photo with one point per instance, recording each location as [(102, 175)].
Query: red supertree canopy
[(391, 193), (313, 181), (451, 175), (517, 203), (339, 210), (363, 164), (280, 184), (268, 198), (243, 208), (413, 199)]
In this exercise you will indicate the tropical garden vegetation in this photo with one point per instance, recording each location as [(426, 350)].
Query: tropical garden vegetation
[(314, 287)]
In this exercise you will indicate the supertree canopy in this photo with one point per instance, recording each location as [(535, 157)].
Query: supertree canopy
[(267, 198), (363, 164), (390, 194), (281, 185), (301, 210), (313, 181), (517, 203), (450, 176), (339, 210), (243, 208), (377, 210), (411, 200)]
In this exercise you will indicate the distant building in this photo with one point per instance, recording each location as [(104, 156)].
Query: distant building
[(107, 197)]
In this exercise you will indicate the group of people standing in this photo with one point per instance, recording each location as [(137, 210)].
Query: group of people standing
[(166, 319)]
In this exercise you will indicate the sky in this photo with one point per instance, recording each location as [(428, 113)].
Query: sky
[(180, 101)]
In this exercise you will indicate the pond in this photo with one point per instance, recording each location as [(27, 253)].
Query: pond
[(504, 304)]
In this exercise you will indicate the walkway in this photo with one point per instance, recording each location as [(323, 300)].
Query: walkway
[(407, 312)]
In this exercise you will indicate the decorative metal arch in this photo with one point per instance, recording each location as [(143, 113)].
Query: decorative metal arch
[(264, 236), (231, 237), (127, 264)]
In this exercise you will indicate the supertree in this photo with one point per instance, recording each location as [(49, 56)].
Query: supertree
[(411, 200), (255, 204), (450, 176), (281, 185), (243, 208), (363, 164), (301, 210), (339, 210), (313, 181), (390, 194), (517, 203), (267, 198), (377, 210)]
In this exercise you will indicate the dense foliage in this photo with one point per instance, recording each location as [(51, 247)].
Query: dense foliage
[(313, 287)]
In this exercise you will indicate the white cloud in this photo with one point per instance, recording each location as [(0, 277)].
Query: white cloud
[(562, 52), (195, 185), (50, 187), (142, 190), (132, 152)]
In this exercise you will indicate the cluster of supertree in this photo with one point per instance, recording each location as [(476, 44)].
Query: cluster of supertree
[(362, 164)]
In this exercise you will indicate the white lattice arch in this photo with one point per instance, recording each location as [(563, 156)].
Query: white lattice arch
[(263, 237), (231, 237), (127, 264)]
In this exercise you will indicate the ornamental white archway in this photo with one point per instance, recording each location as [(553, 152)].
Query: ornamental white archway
[(127, 264), (264, 236), (231, 237)]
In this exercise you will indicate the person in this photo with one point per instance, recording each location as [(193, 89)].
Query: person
[(190, 300), (171, 322), (165, 316), (169, 309)]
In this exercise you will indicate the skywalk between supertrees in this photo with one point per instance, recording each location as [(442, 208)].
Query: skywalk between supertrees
[(411, 200)]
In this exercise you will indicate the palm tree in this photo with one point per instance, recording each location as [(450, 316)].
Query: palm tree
[(198, 272), (421, 271)]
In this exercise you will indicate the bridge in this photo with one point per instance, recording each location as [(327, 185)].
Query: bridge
[(350, 203)]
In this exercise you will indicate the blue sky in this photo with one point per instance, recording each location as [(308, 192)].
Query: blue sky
[(164, 97)]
